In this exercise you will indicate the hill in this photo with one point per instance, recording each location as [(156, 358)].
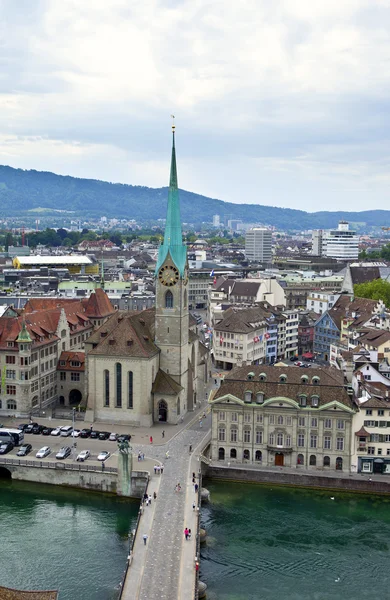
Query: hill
[(22, 191)]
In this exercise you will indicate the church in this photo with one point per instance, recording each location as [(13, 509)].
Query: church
[(150, 366)]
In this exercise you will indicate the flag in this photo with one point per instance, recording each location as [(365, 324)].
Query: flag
[(212, 273)]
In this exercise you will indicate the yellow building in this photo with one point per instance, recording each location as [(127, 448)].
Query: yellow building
[(75, 263)]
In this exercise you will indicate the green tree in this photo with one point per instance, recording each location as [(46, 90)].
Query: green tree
[(375, 290)]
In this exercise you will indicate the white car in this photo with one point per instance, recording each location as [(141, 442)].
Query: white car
[(56, 431), (103, 455), (113, 437), (84, 454), (45, 451), (76, 433)]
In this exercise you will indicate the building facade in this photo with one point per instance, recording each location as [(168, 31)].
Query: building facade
[(258, 245), (279, 416)]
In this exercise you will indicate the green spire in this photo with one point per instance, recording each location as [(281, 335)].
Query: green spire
[(173, 238), (24, 336)]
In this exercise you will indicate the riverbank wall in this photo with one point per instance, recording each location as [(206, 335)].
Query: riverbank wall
[(340, 482), (77, 476)]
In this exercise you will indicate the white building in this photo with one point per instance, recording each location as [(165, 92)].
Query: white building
[(320, 302), (258, 245), (341, 243), (216, 221)]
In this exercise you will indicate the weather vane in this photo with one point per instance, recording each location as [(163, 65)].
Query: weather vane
[(173, 123)]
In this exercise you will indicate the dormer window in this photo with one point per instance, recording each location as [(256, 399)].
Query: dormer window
[(263, 377), (303, 400), (75, 363), (314, 401), (315, 380), (282, 378), (10, 344), (250, 376), (248, 397), (62, 363), (304, 379), (259, 398)]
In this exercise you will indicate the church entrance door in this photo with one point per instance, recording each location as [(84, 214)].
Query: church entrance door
[(162, 411), (279, 459)]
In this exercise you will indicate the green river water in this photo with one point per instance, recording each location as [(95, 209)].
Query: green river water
[(58, 538), (275, 543)]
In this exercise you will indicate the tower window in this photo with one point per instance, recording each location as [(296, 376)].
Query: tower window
[(169, 299), (118, 369)]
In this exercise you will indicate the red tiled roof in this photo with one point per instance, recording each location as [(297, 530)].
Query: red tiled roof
[(98, 305)]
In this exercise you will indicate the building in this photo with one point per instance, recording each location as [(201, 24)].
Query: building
[(31, 342), (306, 332), (216, 221), (341, 243), (357, 273), (319, 302), (150, 366), (298, 288), (258, 245), (75, 263), (281, 416)]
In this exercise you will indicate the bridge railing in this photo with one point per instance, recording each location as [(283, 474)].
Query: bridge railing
[(40, 464)]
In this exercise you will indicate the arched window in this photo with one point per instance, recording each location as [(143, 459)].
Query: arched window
[(130, 389), (302, 400), (259, 397), (233, 453), (248, 397), (326, 461), (11, 405), (34, 401), (312, 460), (246, 455), (258, 455), (282, 378), (185, 299), (304, 379), (339, 463), (300, 459), (314, 401), (262, 377), (315, 380), (280, 420), (118, 372), (221, 454), (169, 299), (106, 387), (279, 439)]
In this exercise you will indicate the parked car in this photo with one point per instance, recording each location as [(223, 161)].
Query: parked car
[(47, 430), (22, 426), (66, 431), (45, 451), (6, 447), (56, 431), (293, 358), (298, 363), (103, 455), (76, 433), (37, 429), (84, 454), (124, 437), (94, 434), (85, 433), (64, 452), (113, 437), (104, 435), (29, 428), (24, 450)]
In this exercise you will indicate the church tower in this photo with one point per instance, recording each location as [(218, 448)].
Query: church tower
[(172, 316)]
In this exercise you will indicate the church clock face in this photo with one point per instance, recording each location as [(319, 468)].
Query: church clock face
[(168, 275)]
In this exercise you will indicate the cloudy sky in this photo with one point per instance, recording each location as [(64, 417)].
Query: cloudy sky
[(284, 103)]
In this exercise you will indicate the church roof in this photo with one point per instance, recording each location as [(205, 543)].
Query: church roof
[(173, 239), (98, 304), (164, 384)]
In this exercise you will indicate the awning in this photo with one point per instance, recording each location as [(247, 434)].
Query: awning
[(379, 461), (308, 355)]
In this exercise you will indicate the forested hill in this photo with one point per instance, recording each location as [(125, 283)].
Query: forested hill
[(22, 191)]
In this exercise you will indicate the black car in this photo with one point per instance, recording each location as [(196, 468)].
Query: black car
[(22, 426), (104, 435), (37, 429), (6, 447), (94, 435), (30, 426), (24, 450), (47, 430), (125, 437), (85, 433)]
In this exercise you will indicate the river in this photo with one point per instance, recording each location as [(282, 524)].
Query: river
[(279, 543), (66, 539)]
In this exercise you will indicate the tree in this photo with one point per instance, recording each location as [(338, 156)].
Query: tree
[(375, 290)]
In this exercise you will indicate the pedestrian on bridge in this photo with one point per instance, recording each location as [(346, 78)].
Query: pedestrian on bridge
[(163, 434), (145, 537), (190, 448), (151, 439)]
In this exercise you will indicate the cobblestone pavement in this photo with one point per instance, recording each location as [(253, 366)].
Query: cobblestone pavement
[(161, 569)]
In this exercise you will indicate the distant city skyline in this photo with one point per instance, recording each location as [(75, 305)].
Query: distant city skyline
[(282, 104)]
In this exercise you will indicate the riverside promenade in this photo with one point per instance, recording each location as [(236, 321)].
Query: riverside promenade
[(164, 568)]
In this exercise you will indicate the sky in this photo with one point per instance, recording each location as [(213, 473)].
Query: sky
[(282, 103)]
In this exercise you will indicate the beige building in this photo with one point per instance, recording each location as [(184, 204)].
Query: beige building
[(283, 416), (149, 367)]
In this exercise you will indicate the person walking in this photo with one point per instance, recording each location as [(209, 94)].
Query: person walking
[(163, 434), (190, 448), (103, 466), (186, 533), (145, 537), (193, 506), (151, 439), (162, 469), (150, 499), (196, 487), (155, 495), (189, 534)]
